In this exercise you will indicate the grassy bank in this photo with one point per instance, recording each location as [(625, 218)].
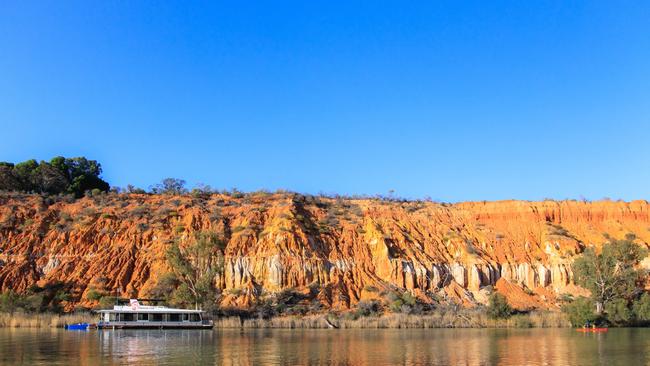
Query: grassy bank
[(43, 320), (433, 320)]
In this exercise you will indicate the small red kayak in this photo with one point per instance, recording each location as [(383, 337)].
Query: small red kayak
[(592, 330)]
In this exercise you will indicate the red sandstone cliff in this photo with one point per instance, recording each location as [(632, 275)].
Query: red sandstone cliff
[(341, 247)]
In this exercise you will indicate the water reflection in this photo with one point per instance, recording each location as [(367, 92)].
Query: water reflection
[(328, 347)]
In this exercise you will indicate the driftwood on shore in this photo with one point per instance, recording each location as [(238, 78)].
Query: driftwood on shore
[(330, 324)]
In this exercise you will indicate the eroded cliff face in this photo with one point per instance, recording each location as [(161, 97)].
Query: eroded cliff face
[(342, 250)]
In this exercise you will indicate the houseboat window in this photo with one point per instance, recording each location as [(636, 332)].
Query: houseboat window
[(156, 317), (194, 317), (174, 317), (143, 316), (186, 317), (126, 317)]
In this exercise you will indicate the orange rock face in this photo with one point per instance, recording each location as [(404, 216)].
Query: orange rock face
[(340, 247)]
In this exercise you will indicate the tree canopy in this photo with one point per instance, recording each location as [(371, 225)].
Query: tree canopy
[(172, 186), (498, 307), (612, 273), (59, 175), (615, 280), (195, 268)]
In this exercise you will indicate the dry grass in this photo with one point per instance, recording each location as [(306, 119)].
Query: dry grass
[(464, 319), (44, 320)]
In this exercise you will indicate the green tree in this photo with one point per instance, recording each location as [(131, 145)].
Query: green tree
[(32, 302), (133, 189), (580, 311), (498, 307), (165, 287), (8, 302), (59, 163), (610, 274), (84, 175), (641, 308), (8, 180), (47, 179), (94, 295), (11, 301), (400, 302), (71, 175), (172, 186), (618, 312), (367, 308), (107, 302), (196, 267), (23, 172)]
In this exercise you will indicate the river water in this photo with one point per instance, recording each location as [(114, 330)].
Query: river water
[(330, 347)]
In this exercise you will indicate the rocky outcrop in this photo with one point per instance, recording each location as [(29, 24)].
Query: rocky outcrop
[(337, 247)]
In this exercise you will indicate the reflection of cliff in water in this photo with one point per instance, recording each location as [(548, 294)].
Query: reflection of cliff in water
[(440, 346), (302, 347)]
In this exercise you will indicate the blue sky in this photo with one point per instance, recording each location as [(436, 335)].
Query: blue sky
[(453, 100)]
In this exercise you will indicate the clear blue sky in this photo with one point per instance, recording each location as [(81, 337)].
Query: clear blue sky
[(472, 101)]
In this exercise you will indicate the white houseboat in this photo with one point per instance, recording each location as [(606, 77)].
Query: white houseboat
[(135, 315)]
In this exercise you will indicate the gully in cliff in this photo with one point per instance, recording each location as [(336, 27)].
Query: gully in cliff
[(137, 316)]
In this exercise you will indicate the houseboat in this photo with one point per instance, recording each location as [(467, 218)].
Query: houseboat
[(137, 316)]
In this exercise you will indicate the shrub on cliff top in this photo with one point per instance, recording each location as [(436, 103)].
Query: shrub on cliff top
[(59, 175), (171, 186)]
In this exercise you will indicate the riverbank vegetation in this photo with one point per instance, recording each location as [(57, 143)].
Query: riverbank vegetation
[(285, 309), (617, 285), (44, 320), (51, 298), (442, 318), (438, 319)]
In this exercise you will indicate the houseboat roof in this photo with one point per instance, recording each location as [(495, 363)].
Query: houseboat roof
[(147, 309)]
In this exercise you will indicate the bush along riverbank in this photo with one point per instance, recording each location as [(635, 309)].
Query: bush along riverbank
[(43, 320), (395, 310), (402, 312), (612, 275), (40, 307), (466, 319)]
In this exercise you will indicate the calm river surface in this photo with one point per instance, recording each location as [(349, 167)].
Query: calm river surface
[(336, 347)]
